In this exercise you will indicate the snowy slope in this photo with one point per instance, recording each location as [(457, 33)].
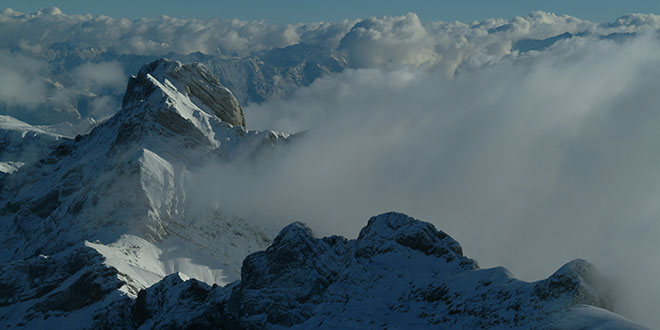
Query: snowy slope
[(21, 143)]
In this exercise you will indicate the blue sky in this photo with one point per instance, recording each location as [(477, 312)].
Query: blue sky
[(292, 11)]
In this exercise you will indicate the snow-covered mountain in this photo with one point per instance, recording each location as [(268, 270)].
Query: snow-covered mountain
[(101, 232), (121, 190)]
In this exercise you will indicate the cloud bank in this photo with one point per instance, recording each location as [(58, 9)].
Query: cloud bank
[(370, 42), (20, 78), (32, 90), (25, 31)]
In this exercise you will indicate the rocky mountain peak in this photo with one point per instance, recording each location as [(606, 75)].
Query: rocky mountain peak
[(582, 279), (382, 230), (294, 232), (194, 80)]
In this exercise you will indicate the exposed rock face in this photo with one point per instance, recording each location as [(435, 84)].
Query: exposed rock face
[(195, 80), (399, 273)]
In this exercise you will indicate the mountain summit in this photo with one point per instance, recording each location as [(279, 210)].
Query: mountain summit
[(194, 80)]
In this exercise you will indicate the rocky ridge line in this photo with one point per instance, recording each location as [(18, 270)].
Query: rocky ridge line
[(399, 273)]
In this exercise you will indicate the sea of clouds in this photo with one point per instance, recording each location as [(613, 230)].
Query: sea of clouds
[(528, 159), (45, 82)]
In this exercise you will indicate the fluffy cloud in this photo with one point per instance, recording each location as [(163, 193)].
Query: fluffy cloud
[(371, 42), (31, 93), (21, 81), (389, 42), (99, 75), (151, 36)]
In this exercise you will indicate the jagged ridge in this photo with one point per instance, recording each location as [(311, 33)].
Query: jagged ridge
[(399, 273)]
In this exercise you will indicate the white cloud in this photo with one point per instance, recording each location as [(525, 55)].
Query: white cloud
[(633, 23), (21, 81), (30, 91), (99, 75), (389, 42), (147, 36), (383, 42)]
